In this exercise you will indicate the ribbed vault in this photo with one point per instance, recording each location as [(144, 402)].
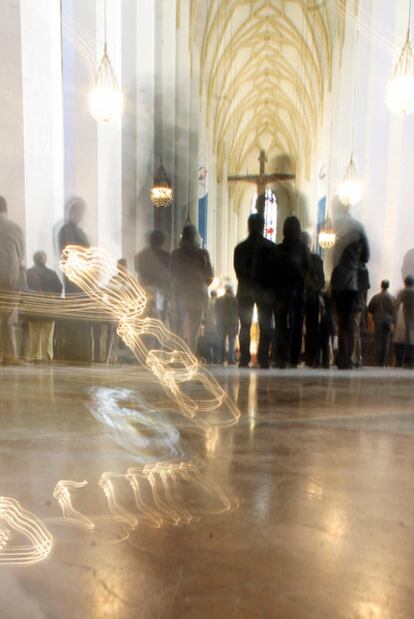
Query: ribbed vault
[(265, 66)]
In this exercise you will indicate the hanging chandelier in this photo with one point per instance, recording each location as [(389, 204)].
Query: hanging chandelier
[(400, 89), (106, 100), (161, 191), (327, 235), (351, 189)]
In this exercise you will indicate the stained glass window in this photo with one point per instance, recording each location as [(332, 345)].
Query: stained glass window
[(270, 214)]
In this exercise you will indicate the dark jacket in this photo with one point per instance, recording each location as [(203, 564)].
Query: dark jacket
[(315, 277), (406, 299), (152, 266), (42, 279), (382, 308), (71, 234), (250, 264), (11, 254), (227, 315), (289, 263), (191, 274), (350, 255)]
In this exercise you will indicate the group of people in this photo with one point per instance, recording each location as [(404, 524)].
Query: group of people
[(298, 311), (286, 283)]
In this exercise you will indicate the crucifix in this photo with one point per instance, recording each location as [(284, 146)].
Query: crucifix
[(261, 180)]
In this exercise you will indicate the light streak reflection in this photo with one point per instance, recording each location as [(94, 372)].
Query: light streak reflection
[(15, 519), (166, 492)]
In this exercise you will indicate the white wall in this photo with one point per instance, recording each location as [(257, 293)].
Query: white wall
[(43, 123), (11, 117), (383, 147)]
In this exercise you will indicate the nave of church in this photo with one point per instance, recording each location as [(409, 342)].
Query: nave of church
[(164, 453)]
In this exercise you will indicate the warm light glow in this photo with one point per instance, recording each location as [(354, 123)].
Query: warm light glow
[(106, 100), (161, 191), (161, 197), (173, 364), (14, 519), (62, 493), (351, 189), (400, 89), (327, 238)]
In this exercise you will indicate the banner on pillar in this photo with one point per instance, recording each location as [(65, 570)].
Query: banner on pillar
[(202, 204), (202, 219), (320, 220)]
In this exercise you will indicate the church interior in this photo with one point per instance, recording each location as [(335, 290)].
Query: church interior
[(227, 489)]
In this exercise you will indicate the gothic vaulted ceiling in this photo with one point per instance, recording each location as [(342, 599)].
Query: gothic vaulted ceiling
[(264, 68)]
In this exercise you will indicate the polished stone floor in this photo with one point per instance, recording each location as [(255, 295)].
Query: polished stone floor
[(318, 477)]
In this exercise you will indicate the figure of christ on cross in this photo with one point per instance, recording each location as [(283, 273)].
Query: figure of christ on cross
[(261, 180)]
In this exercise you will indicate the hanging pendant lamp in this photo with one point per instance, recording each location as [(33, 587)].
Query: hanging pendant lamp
[(327, 235), (400, 89), (106, 99), (350, 190), (161, 191)]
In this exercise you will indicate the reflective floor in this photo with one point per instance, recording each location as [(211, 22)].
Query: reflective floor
[(304, 509)]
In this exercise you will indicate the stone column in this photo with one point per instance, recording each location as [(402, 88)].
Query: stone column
[(11, 118), (43, 123)]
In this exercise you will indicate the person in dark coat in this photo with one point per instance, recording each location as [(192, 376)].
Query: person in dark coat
[(351, 253), (250, 260), (405, 298), (288, 266), (382, 309), (326, 328), (12, 250), (191, 274), (227, 324), (40, 279), (72, 234), (314, 282), (74, 338), (152, 265)]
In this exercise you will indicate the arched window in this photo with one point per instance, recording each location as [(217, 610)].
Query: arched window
[(270, 214)]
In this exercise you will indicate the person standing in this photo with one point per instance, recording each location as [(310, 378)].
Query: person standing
[(75, 339), (405, 299), (191, 274), (152, 266), (382, 309), (351, 253), (250, 260), (326, 328), (41, 331), (211, 338), (72, 234), (12, 251), (289, 266), (314, 283), (227, 324)]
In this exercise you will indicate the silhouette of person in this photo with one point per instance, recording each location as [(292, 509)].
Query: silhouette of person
[(351, 253), (288, 267), (382, 308), (314, 282), (250, 264), (191, 274)]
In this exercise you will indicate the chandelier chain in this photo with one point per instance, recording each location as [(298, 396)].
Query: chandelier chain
[(105, 30), (355, 92)]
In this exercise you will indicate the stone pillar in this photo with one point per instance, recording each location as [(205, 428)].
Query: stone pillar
[(130, 59), (43, 123), (80, 129), (145, 51), (109, 145), (11, 117)]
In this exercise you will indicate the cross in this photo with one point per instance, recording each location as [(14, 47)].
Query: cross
[(261, 180)]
